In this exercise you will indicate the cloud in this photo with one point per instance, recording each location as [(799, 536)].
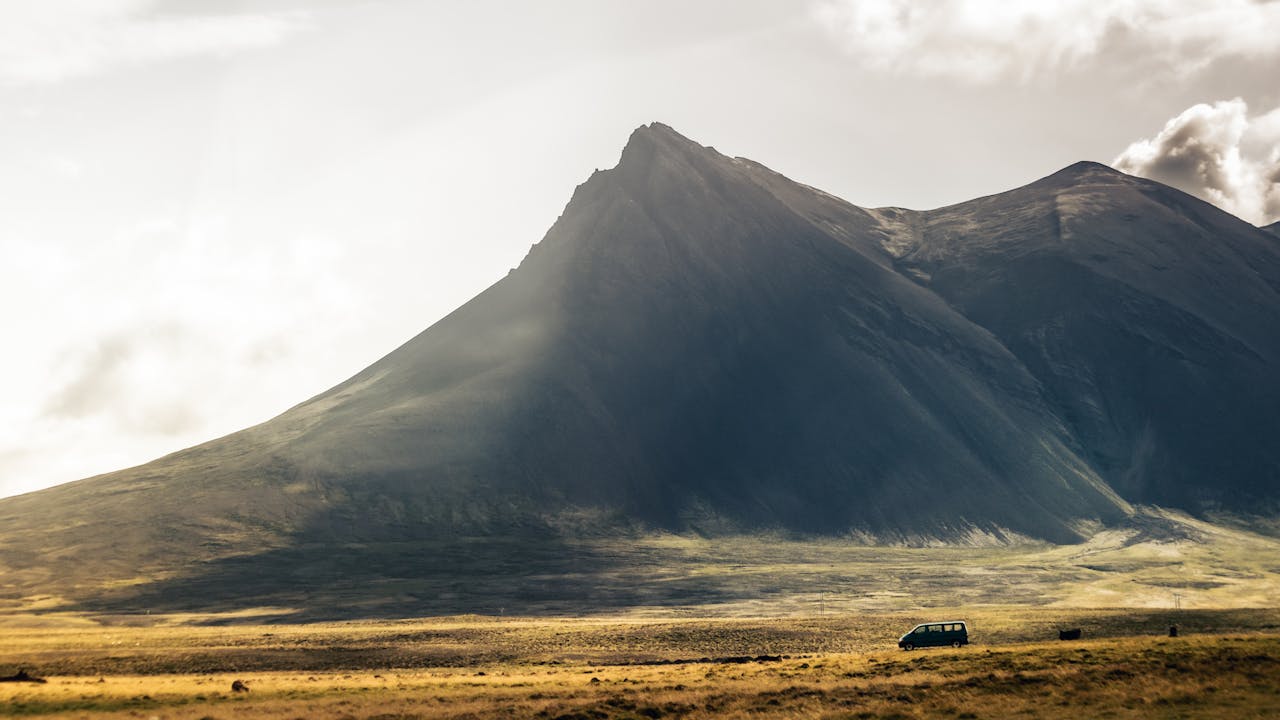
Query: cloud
[(989, 40), (95, 385), (117, 377), (164, 332), (1218, 153), (54, 40)]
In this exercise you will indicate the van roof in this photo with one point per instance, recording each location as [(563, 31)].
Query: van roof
[(941, 622)]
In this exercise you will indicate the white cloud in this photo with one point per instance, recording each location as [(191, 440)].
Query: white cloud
[(160, 335), (990, 40), (119, 377), (1217, 153), (54, 40)]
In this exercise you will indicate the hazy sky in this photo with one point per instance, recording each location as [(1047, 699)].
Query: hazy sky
[(212, 210)]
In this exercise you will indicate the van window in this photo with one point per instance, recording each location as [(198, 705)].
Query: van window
[(935, 628), (921, 629)]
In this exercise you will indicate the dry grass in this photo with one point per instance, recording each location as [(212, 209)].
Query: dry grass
[(837, 667), (1157, 559), (200, 644), (831, 607)]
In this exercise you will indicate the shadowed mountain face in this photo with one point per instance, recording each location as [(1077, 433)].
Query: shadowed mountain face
[(701, 344), (1273, 228), (1151, 319)]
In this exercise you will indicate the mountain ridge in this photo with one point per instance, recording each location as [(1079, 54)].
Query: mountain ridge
[(700, 344)]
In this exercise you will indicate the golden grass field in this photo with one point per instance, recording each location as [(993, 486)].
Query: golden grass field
[(645, 631), (1225, 664)]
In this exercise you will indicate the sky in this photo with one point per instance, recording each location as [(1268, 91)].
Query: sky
[(212, 210)]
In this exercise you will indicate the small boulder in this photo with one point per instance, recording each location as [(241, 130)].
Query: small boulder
[(22, 676)]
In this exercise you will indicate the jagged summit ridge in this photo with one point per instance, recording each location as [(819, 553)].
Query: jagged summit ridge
[(649, 142)]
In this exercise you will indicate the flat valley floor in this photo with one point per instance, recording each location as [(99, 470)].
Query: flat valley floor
[(1223, 664)]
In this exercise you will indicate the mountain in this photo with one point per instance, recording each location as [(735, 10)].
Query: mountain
[(1149, 317), (1273, 228), (700, 344)]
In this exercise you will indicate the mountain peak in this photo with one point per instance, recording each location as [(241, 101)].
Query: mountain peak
[(660, 132), (658, 139), (1086, 171), (1085, 166)]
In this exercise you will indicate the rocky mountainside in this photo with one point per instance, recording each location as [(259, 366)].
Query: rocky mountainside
[(1150, 319), (700, 344)]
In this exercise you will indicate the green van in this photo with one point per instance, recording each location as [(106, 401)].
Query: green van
[(936, 634)]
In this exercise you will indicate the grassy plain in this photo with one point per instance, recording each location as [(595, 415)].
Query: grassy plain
[(672, 626), (1159, 561), (1225, 664)]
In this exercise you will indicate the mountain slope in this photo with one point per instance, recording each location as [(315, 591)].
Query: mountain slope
[(1151, 318), (702, 345), (696, 341)]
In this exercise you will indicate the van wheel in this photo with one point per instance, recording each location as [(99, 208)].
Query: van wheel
[(956, 644), (908, 647)]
